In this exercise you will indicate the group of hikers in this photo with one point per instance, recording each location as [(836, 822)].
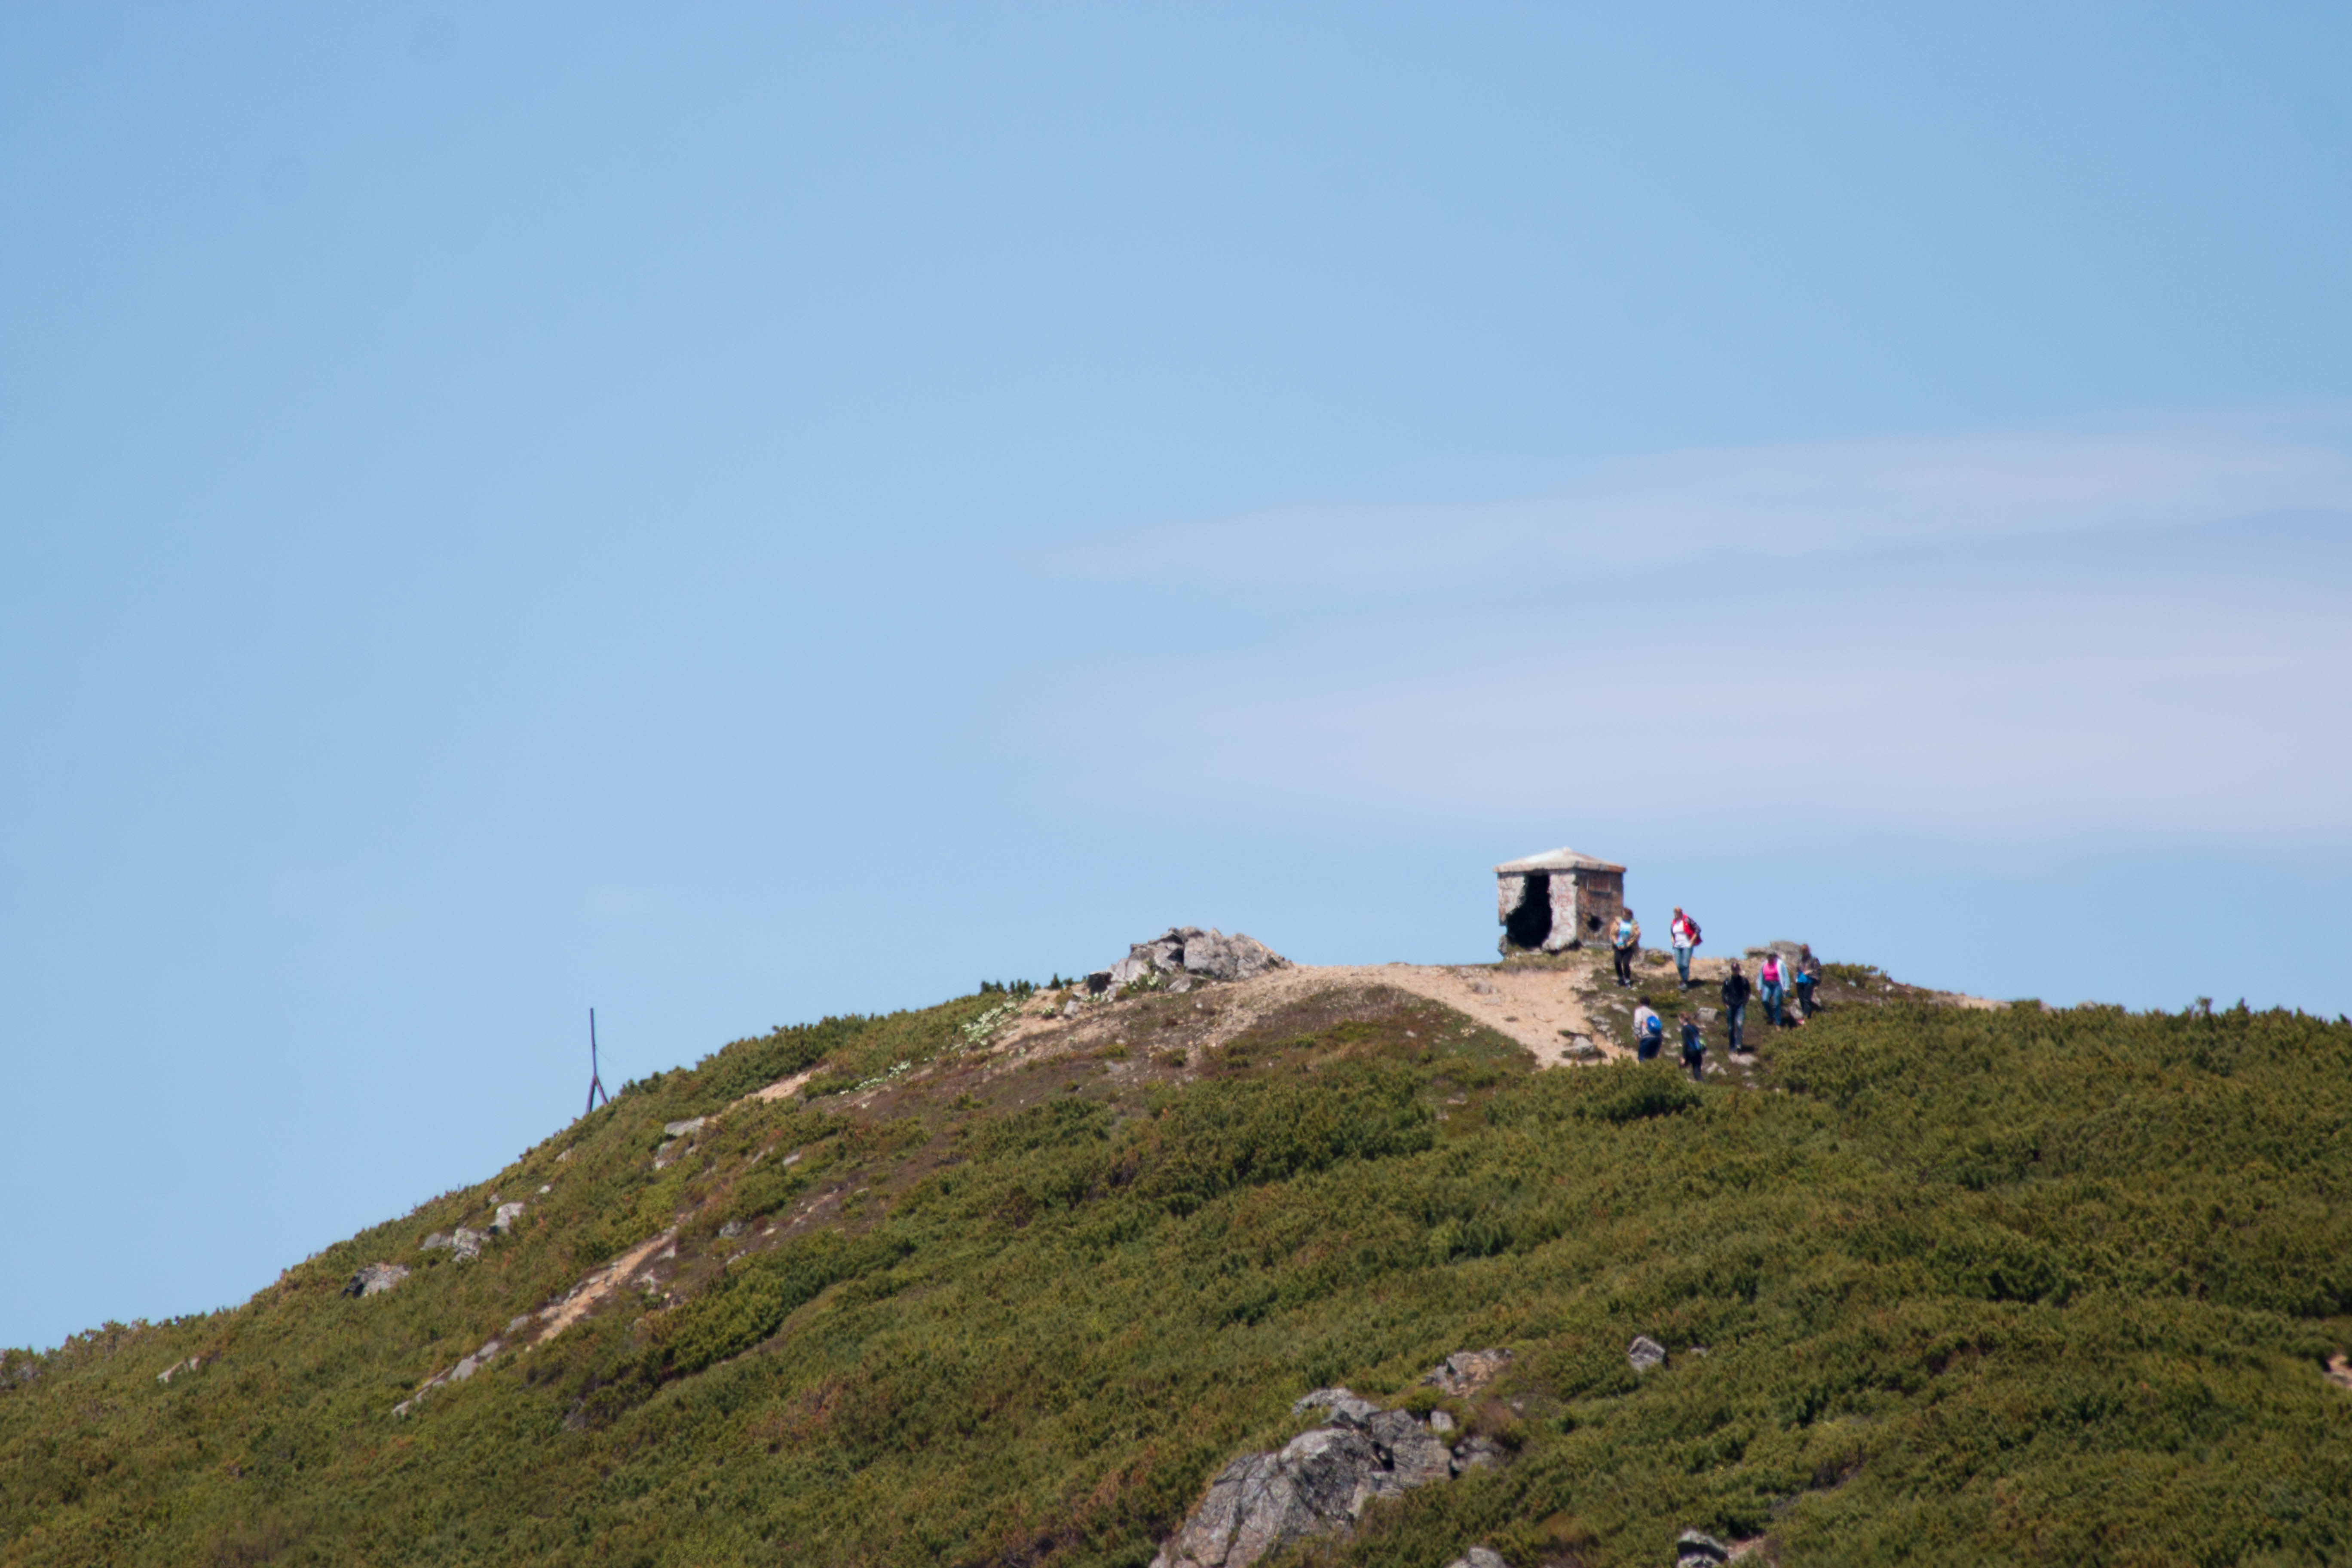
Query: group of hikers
[(1777, 981)]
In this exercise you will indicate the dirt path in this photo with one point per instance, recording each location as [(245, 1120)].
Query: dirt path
[(1538, 1008), (563, 1314)]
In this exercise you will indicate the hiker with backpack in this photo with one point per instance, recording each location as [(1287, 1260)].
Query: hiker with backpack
[(1628, 945), (1809, 974), (1693, 1049), (1772, 984), (1649, 1033), (1735, 1001), (1684, 933)]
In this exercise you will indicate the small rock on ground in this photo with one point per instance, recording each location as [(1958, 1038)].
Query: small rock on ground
[(1479, 1557), (1467, 1372), (376, 1279), (1477, 1452), (1646, 1353)]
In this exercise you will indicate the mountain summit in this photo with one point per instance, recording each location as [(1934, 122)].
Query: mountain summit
[(1399, 1265)]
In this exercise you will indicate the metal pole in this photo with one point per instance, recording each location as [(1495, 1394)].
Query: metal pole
[(595, 1076)]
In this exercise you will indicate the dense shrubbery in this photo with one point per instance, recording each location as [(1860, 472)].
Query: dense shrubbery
[(2013, 1286)]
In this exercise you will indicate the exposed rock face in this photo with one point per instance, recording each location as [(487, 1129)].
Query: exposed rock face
[(1187, 954), (1692, 1550), (504, 1221), (1465, 1373), (466, 1244), (1314, 1485), (1321, 1480), (1236, 957), (1646, 1353), (1346, 1409), (466, 1367), (376, 1279), (685, 1129), (1479, 1557)]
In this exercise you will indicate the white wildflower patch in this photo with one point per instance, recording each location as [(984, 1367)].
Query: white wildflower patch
[(979, 1032)]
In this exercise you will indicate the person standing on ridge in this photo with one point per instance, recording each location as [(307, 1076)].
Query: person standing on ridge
[(1693, 1049), (1684, 933), (1649, 1033), (1735, 1001), (1628, 945), (1772, 984)]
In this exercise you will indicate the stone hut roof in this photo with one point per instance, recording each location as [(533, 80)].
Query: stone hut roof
[(1555, 860)]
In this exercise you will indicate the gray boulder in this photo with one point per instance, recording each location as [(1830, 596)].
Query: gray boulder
[(1215, 956), (1316, 1484), (1414, 1455), (504, 1221), (685, 1129), (1692, 1550), (1479, 1557), (466, 1244), (1188, 954), (376, 1279), (1345, 1408), (1646, 1353)]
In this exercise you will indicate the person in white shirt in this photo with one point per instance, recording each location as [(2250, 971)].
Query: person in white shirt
[(1649, 1032), (1684, 933)]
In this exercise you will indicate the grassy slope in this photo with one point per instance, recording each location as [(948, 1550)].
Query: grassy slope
[(1974, 1285)]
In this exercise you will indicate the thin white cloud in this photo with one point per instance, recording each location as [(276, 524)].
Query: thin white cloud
[(1776, 501), (2064, 643)]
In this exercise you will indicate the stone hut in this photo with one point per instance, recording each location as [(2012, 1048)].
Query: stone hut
[(1557, 900)]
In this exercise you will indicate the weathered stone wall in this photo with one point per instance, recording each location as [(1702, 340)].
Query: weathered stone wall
[(1600, 895), (1566, 895), (1509, 893)]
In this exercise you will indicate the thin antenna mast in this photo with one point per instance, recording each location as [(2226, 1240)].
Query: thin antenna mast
[(595, 1079)]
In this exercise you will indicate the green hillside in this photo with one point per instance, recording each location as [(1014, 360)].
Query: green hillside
[(1972, 1285)]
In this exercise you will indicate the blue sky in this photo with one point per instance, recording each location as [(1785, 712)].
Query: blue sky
[(733, 516)]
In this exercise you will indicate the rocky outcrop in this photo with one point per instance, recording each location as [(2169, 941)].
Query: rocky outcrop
[(1182, 955), (1320, 1481), (376, 1279), (1692, 1550), (1465, 1373), (466, 1244), (1646, 1353), (1479, 1557), (505, 1219), (466, 1367)]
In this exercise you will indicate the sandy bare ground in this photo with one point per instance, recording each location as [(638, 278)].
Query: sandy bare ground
[(562, 1314), (1538, 1008)]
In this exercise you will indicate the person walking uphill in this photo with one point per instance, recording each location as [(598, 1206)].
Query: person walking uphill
[(1809, 974), (1627, 939), (1684, 932), (1649, 1033), (1735, 1001), (1693, 1049), (1772, 984)]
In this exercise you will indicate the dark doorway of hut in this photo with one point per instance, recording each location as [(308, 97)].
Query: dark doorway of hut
[(1530, 923)]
